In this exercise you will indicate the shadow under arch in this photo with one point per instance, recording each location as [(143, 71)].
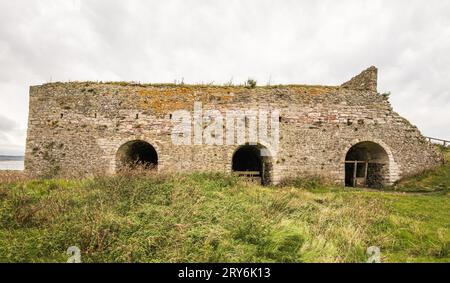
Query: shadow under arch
[(251, 161), (136, 153), (367, 164)]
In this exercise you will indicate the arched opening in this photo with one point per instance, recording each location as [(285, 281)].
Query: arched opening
[(137, 153), (249, 162), (366, 165)]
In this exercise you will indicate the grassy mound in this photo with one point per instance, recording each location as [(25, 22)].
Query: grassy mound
[(216, 218), (436, 180)]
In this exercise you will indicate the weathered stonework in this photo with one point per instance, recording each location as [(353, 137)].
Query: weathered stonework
[(79, 127)]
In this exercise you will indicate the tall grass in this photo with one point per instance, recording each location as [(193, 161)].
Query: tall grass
[(7, 176), (214, 218)]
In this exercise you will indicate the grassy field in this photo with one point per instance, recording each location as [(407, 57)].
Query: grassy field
[(218, 218)]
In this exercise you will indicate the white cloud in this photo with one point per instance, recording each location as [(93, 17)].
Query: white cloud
[(11, 137), (315, 42)]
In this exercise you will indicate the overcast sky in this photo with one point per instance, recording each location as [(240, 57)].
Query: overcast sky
[(312, 42)]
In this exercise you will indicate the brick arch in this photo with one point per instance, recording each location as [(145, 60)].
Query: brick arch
[(137, 152), (393, 168), (268, 159), (119, 143)]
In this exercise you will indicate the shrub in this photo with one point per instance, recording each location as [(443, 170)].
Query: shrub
[(251, 83)]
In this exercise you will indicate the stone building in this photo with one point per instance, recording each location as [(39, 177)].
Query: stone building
[(348, 133)]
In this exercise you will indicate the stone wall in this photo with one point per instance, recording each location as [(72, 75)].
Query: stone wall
[(79, 127)]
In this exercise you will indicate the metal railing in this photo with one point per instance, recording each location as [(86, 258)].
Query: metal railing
[(438, 141)]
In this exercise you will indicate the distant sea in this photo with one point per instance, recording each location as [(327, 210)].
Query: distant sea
[(11, 162)]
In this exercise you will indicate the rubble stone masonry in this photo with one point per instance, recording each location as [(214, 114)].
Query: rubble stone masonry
[(78, 127)]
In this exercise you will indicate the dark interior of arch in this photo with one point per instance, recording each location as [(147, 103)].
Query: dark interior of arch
[(367, 151), (374, 166), (247, 158), (138, 153)]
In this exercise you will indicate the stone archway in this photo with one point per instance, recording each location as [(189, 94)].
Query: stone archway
[(367, 164), (249, 162), (136, 153)]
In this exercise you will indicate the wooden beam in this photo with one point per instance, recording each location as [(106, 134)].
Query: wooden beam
[(365, 174), (247, 173)]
